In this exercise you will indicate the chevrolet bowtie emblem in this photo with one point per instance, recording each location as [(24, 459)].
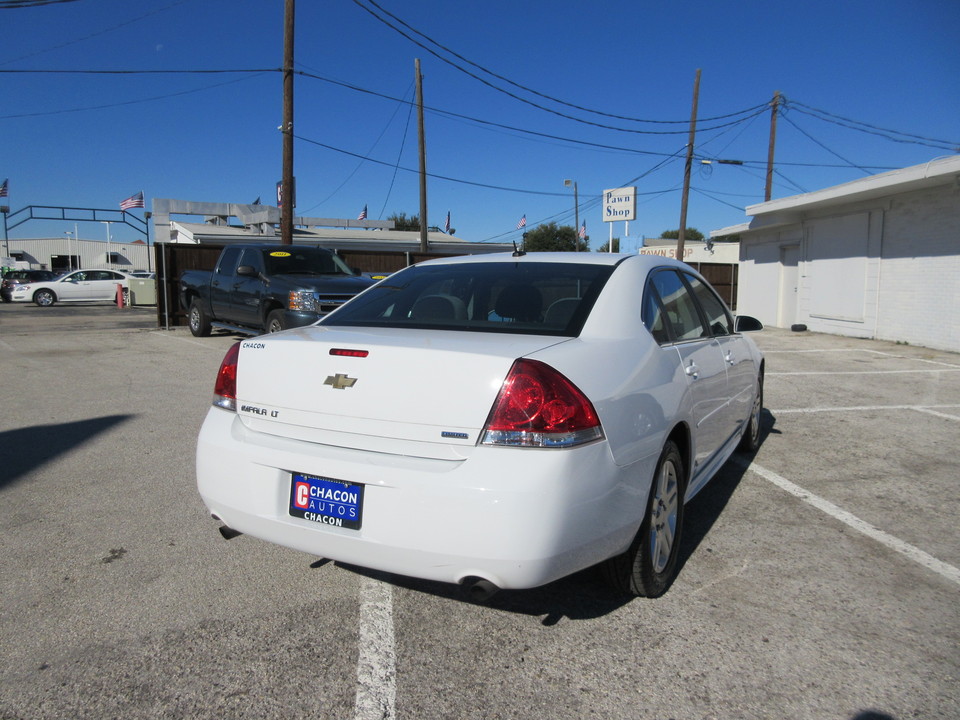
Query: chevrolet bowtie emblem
[(340, 381)]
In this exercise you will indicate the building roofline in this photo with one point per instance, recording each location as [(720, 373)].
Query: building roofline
[(939, 171)]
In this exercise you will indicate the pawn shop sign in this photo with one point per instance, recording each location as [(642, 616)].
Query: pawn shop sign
[(620, 204)]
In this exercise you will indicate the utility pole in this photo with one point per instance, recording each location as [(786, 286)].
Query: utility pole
[(686, 170), (286, 181), (774, 109), (423, 160)]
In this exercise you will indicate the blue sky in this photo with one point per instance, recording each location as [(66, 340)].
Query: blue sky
[(850, 72)]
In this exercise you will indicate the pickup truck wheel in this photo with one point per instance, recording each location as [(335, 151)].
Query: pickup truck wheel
[(199, 322), (276, 322)]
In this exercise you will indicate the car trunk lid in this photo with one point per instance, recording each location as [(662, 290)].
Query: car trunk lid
[(424, 392)]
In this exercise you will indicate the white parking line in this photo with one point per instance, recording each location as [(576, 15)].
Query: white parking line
[(857, 350), (943, 569), (376, 665), (949, 368), (928, 409)]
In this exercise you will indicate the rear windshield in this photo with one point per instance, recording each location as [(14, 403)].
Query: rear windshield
[(523, 297)]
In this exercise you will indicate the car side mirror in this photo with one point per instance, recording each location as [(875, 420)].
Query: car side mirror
[(247, 271), (745, 323)]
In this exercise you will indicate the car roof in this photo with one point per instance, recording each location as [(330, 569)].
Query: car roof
[(647, 262)]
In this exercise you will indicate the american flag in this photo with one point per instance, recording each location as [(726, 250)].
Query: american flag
[(134, 201), (4, 191), (583, 231), (363, 214), (446, 226), (522, 223)]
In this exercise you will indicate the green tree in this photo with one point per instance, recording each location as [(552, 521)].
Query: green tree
[(606, 246), (402, 222), (551, 237), (690, 234)]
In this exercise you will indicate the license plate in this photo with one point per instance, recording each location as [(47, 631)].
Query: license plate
[(326, 501)]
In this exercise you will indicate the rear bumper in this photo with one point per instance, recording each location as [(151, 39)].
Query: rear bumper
[(519, 518)]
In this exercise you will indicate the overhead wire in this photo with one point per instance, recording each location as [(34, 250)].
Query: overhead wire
[(892, 135), (759, 108), (106, 106), (823, 145), (528, 89), (102, 31)]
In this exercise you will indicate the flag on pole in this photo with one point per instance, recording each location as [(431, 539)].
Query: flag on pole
[(522, 223), (5, 188), (583, 231), (363, 214), (134, 201), (446, 225), (257, 201)]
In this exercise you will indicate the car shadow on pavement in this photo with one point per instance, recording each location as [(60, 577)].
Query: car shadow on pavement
[(581, 596), (702, 513), (584, 595), (25, 449)]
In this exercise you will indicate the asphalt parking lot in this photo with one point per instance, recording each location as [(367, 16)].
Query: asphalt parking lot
[(819, 578)]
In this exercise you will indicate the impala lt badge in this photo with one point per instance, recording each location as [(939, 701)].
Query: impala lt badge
[(340, 381)]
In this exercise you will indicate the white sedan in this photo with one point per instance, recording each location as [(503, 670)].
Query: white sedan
[(499, 421), (77, 286)]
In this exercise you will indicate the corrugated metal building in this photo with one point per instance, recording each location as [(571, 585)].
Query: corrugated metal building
[(65, 253)]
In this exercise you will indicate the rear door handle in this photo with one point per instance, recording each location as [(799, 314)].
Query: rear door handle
[(692, 370)]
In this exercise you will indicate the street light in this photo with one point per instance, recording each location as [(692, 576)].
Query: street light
[(69, 249), (576, 212), (107, 223), (5, 209)]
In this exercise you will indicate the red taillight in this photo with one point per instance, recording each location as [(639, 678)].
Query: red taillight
[(225, 390), (539, 407)]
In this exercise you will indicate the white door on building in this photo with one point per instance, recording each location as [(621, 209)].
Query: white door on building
[(789, 285)]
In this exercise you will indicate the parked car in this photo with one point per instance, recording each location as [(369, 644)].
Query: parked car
[(17, 277), (498, 421), (144, 275), (77, 286), (267, 288)]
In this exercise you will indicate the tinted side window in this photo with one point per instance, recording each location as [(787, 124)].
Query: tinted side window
[(653, 316), (228, 261), (253, 258), (718, 318), (679, 306)]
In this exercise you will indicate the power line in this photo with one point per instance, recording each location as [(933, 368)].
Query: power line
[(104, 31), (523, 87), (17, 4), (126, 102), (888, 134), (832, 152), (759, 108)]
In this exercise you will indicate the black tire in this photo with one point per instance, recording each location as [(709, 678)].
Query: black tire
[(276, 321), (44, 298), (751, 434), (199, 322), (648, 566)]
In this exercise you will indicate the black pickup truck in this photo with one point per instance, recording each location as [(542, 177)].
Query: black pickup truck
[(267, 288)]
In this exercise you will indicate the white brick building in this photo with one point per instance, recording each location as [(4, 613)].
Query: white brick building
[(874, 258)]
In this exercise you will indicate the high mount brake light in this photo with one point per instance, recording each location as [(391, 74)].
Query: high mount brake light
[(346, 352), (539, 407), (225, 390)]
